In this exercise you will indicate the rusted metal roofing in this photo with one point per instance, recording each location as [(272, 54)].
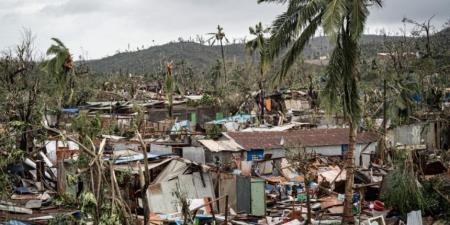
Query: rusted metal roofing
[(306, 138)]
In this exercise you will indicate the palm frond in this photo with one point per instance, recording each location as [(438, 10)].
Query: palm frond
[(332, 91), (54, 50), (378, 3), (59, 42), (252, 30), (286, 26), (297, 47), (358, 18), (333, 16), (351, 98)]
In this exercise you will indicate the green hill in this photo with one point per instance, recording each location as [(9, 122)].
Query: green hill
[(151, 60), (201, 57)]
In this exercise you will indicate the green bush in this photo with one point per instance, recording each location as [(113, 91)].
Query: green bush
[(214, 131), (402, 191)]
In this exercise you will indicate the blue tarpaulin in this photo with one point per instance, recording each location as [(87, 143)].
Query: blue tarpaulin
[(16, 222), (71, 110), (417, 98), (137, 157), (184, 124), (239, 118)]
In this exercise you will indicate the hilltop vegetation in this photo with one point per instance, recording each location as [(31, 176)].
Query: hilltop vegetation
[(199, 56), (202, 57)]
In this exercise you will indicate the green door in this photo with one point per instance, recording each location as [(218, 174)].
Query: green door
[(258, 197)]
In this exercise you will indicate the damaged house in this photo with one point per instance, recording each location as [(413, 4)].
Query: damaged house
[(327, 142)]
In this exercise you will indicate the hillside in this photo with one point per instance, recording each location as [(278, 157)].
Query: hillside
[(150, 60), (201, 57), (198, 56)]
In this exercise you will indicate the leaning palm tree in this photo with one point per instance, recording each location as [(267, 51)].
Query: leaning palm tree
[(219, 36), (343, 21), (61, 67), (259, 44)]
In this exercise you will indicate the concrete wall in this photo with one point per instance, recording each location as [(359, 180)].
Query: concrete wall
[(335, 150), (413, 134), (405, 135)]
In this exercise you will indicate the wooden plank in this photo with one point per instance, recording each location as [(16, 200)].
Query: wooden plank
[(33, 204), (61, 178), (15, 209), (46, 159)]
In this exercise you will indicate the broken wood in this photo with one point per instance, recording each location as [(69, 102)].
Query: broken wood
[(33, 204), (15, 209), (46, 159), (61, 181)]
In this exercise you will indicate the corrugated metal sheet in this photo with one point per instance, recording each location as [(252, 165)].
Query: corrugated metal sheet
[(162, 199), (133, 168), (160, 149), (221, 145), (193, 186), (195, 154), (173, 170), (227, 186)]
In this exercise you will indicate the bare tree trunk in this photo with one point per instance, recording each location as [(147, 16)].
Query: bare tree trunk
[(263, 103), (223, 61), (350, 167), (146, 184), (308, 203), (382, 144)]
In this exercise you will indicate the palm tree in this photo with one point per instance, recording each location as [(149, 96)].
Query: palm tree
[(343, 21), (220, 37), (61, 67), (259, 44), (169, 88)]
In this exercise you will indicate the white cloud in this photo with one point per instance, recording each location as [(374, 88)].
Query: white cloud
[(101, 27)]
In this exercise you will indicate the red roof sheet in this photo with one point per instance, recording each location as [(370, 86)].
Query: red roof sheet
[(307, 138)]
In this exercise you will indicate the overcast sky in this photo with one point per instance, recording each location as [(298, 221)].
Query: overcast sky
[(98, 28)]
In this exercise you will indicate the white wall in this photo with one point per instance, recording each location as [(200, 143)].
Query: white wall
[(333, 150), (405, 135), (336, 150), (364, 156), (276, 153)]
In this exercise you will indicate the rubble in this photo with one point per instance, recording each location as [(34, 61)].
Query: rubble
[(244, 176)]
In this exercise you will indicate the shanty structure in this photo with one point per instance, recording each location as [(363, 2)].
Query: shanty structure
[(223, 150)]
